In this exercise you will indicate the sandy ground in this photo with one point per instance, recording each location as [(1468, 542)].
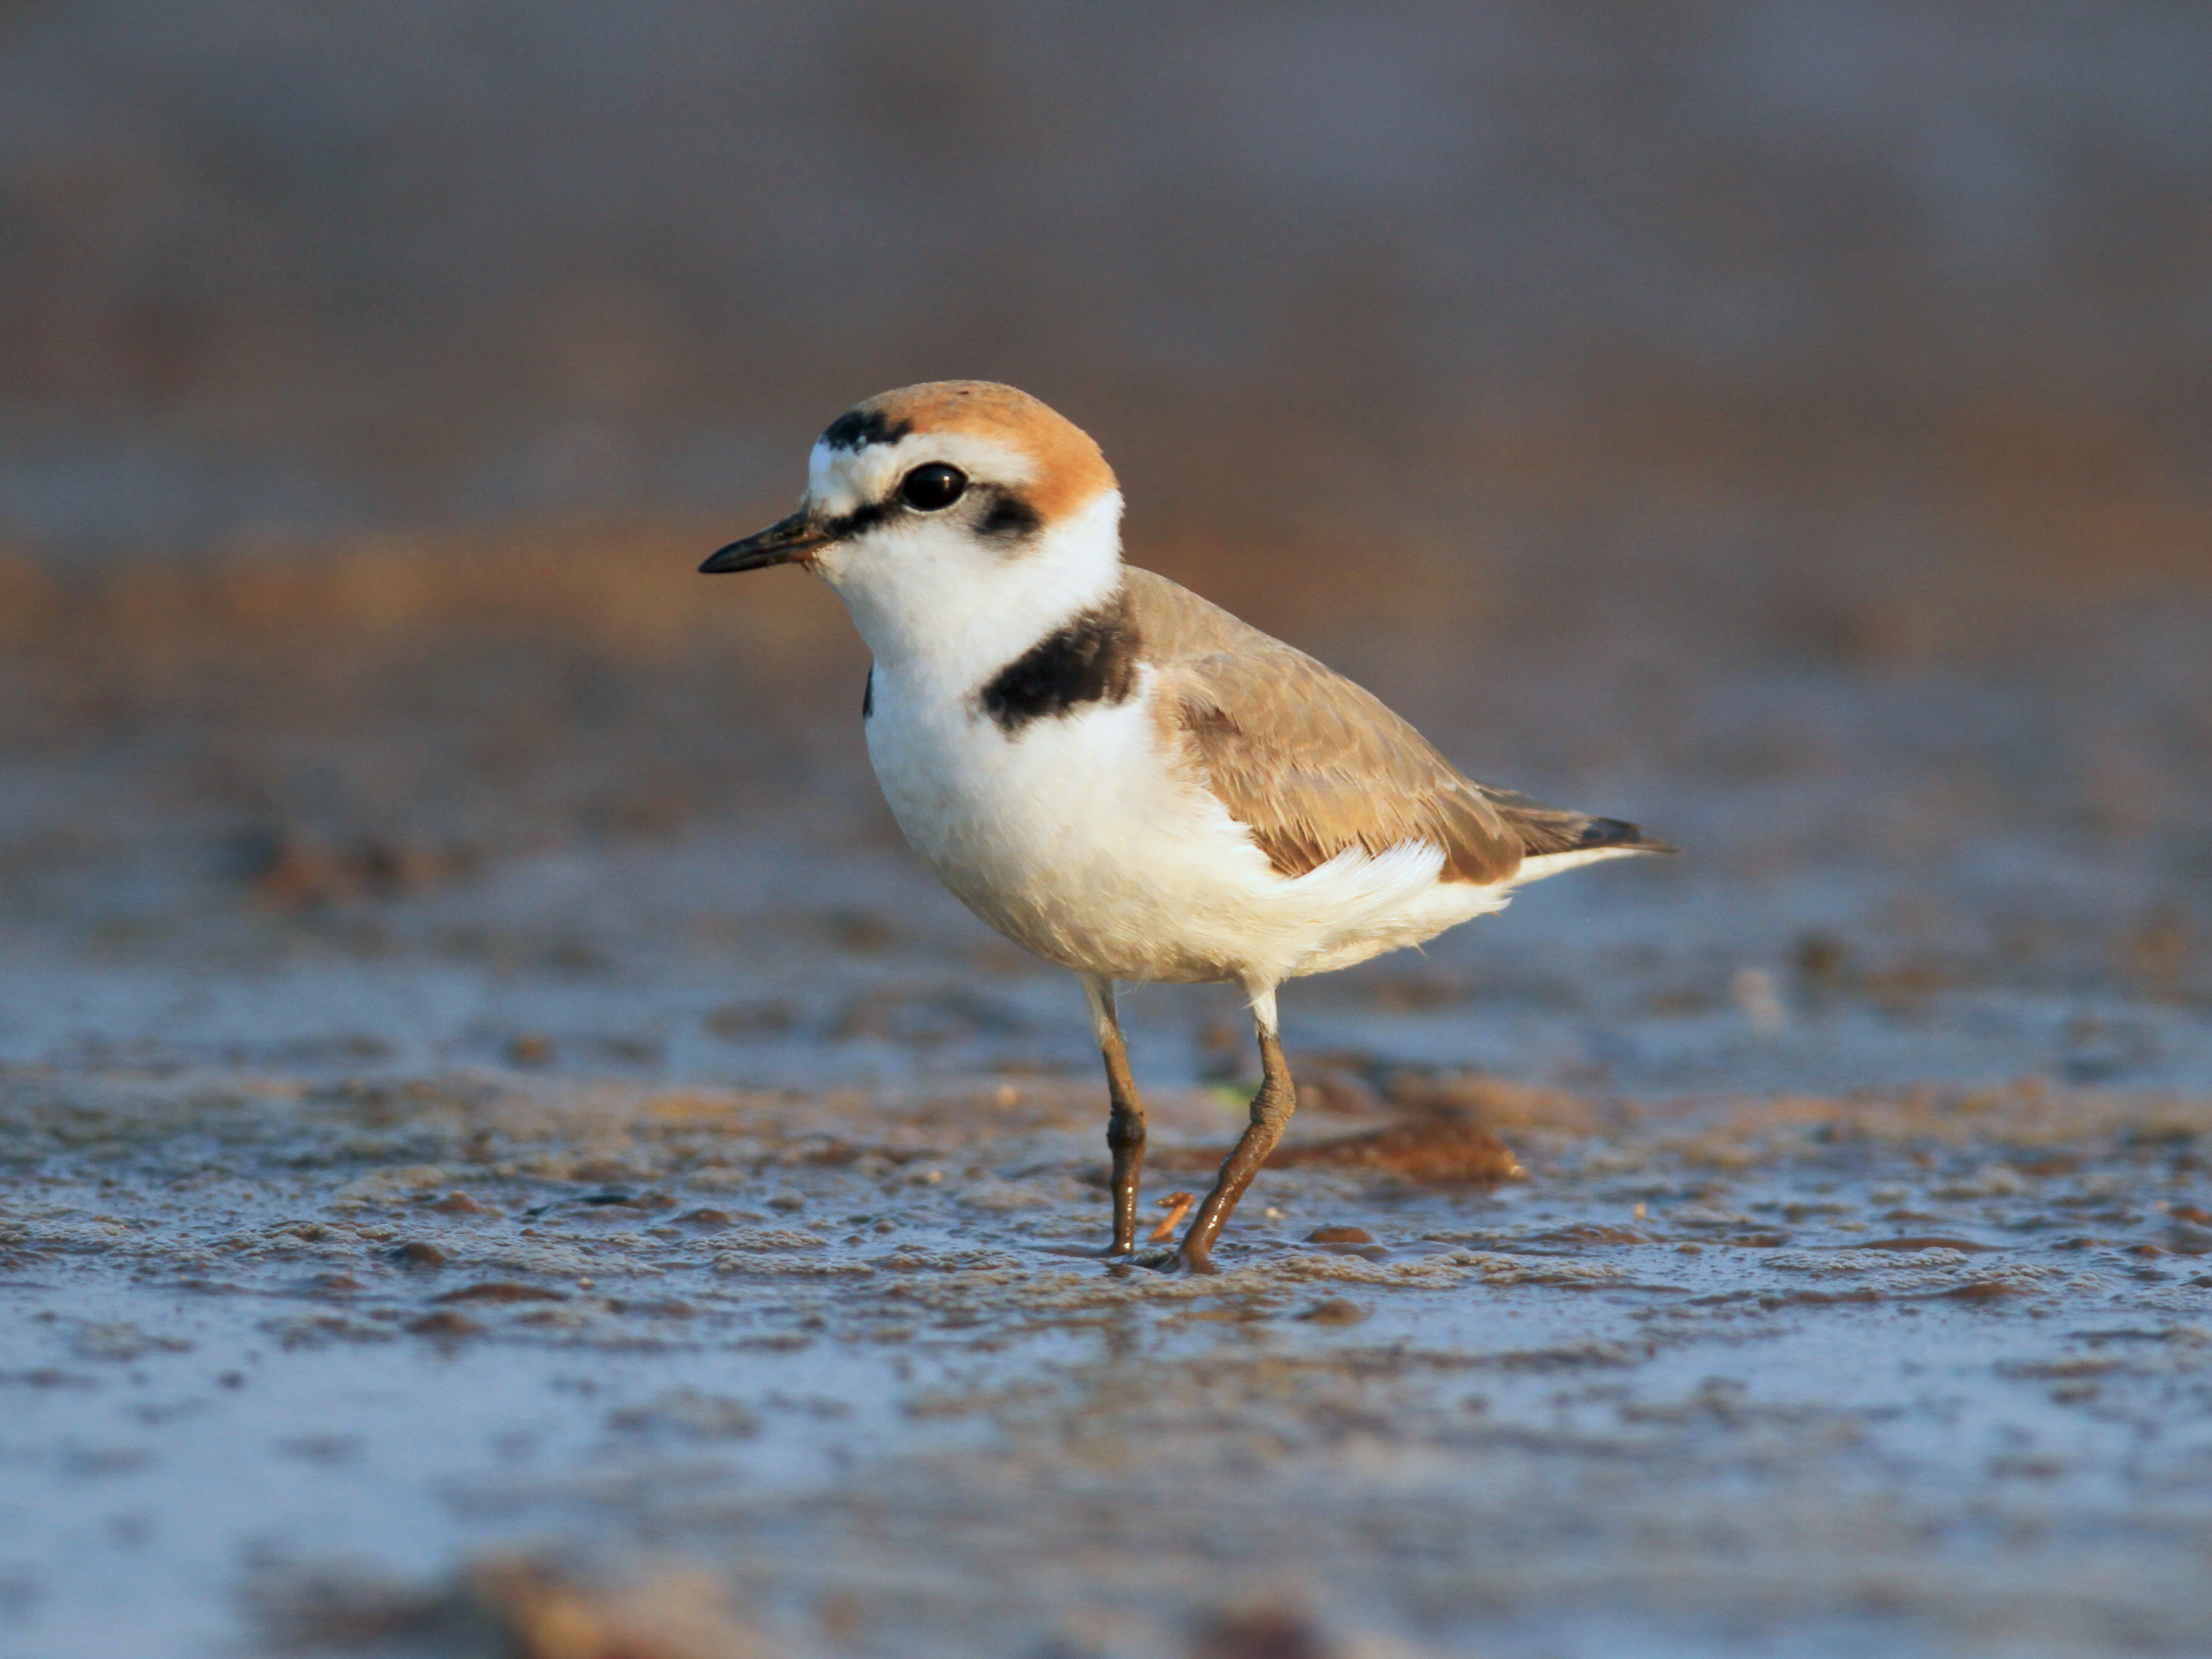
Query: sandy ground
[(674, 1248)]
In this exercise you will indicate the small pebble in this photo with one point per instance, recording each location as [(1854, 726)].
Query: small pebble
[(502, 1290), (1335, 1310), (461, 1204), (1339, 1235)]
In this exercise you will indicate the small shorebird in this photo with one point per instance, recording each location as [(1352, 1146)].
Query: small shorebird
[(1116, 774)]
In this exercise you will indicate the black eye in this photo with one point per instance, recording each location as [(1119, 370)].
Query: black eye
[(933, 487)]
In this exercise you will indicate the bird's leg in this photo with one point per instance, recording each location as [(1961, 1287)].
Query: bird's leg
[(1270, 1110), (1125, 1122)]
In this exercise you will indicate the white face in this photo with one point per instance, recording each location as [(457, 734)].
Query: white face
[(940, 557)]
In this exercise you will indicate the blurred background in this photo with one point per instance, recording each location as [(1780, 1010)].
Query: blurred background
[(1786, 423)]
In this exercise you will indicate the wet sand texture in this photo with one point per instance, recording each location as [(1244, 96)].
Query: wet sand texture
[(665, 1372)]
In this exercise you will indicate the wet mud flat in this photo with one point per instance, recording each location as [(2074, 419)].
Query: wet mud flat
[(441, 1363), (451, 1207)]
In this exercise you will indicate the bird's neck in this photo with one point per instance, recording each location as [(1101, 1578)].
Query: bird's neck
[(944, 618)]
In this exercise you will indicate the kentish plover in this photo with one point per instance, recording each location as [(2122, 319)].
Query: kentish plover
[(1114, 773)]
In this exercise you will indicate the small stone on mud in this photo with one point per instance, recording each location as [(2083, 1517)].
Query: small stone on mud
[(502, 1290), (1335, 1310), (417, 1253), (459, 1204), (1339, 1235)]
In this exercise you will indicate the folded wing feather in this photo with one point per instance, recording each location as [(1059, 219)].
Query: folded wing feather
[(1310, 763)]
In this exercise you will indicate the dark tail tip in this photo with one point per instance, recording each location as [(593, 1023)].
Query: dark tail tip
[(1617, 832)]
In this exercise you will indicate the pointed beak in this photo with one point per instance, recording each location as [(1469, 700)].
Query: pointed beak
[(782, 542)]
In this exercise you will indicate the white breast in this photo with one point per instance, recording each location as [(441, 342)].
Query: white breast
[(1078, 838)]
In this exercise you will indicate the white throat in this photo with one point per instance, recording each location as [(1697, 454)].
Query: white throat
[(943, 611)]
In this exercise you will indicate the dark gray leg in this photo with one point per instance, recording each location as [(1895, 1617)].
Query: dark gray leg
[(1271, 1109), (1125, 1121)]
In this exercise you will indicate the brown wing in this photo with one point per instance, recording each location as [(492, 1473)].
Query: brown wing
[(1309, 762)]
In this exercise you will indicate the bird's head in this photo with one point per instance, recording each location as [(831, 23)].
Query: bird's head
[(941, 504)]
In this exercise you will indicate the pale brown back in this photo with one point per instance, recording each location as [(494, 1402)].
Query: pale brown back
[(1310, 762)]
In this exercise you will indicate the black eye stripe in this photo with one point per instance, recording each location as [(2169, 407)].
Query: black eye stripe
[(1010, 519), (938, 486), (857, 521)]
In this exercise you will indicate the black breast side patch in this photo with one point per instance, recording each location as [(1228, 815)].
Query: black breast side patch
[(1093, 659)]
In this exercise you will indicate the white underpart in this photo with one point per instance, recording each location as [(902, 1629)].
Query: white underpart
[(1079, 836)]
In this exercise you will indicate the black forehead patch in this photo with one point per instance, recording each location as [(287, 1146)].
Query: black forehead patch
[(857, 428)]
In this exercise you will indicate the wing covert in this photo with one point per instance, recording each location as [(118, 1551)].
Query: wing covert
[(1309, 762)]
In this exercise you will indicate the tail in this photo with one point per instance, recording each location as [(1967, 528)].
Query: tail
[(1552, 840)]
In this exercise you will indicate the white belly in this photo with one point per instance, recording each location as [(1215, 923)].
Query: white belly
[(1076, 839)]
